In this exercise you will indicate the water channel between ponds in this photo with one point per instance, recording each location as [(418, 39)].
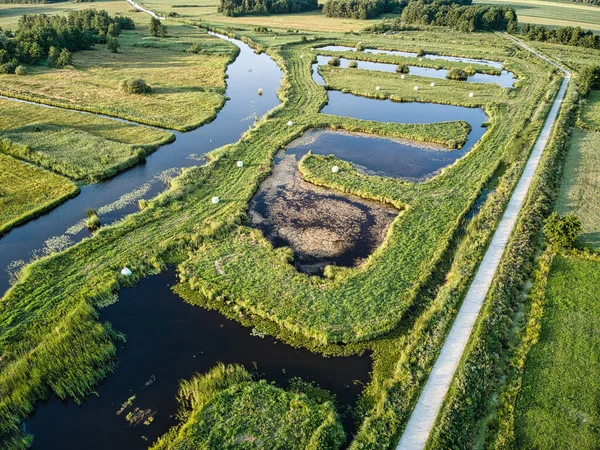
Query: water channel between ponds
[(167, 339)]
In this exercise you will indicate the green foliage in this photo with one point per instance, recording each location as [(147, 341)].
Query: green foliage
[(352, 64), (21, 70), (262, 7), (457, 74), (227, 409), (92, 222), (359, 9), (135, 86), (195, 48), (402, 68), (64, 59), (587, 79), (113, 44), (561, 232), (563, 35), (335, 61), (466, 18), (156, 28)]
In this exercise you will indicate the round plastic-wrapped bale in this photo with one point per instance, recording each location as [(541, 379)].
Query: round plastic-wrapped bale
[(126, 272), (335, 169)]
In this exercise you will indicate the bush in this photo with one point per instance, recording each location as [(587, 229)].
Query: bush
[(421, 52), (352, 64), (156, 28), (457, 74), (402, 68), (9, 67), (93, 221), (264, 7), (335, 61), (135, 86), (21, 70), (113, 44), (561, 232), (195, 48), (470, 70), (64, 58)]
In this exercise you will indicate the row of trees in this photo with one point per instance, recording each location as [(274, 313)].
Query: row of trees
[(361, 9), (54, 38), (460, 15), (263, 7), (565, 35)]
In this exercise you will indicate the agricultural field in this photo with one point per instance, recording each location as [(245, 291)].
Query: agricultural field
[(26, 191), (557, 405), (553, 13), (47, 137), (187, 88)]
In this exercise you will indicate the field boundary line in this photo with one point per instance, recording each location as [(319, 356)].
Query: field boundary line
[(424, 415)]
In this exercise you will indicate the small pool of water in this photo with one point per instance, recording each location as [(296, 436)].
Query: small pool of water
[(169, 340), (342, 48), (505, 79)]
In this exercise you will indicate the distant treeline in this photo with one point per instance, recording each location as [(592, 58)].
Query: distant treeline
[(361, 9), (566, 35), (41, 1), (460, 15), (41, 36), (264, 7)]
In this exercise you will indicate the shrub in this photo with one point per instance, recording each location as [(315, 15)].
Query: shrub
[(93, 221), (421, 52), (135, 86), (64, 58), (113, 44), (195, 48), (156, 28), (21, 70), (470, 70), (53, 55), (402, 68), (561, 232), (352, 64), (335, 61), (457, 74), (9, 67)]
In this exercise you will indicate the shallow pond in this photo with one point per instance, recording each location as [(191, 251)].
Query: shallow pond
[(169, 340), (342, 48), (505, 79)]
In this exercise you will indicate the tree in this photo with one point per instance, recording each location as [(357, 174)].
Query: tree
[(112, 44), (113, 29), (156, 28), (135, 86), (561, 232), (64, 59), (53, 55)]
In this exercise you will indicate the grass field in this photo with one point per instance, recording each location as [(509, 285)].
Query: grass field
[(225, 408), (558, 402), (26, 191), (187, 89), (60, 341), (80, 146), (553, 13)]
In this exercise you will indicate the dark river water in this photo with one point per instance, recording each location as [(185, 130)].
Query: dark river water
[(169, 340)]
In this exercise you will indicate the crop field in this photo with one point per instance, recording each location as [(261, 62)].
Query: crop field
[(80, 146), (407, 288), (553, 13), (558, 402), (26, 191), (187, 88)]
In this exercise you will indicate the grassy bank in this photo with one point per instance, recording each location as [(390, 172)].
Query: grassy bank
[(26, 191), (187, 88), (226, 408), (59, 340)]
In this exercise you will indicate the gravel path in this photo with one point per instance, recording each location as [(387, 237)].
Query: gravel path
[(423, 417)]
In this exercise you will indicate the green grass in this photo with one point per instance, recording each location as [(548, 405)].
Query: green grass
[(187, 89), (590, 112), (80, 146), (225, 408), (59, 340), (558, 402), (26, 191), (581, 184)]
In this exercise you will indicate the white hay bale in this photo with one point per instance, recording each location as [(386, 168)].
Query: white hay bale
[(335, 169), (290, 123), (432, 84), (402, 76), (377, 88), (416, 88), (215, 200), (126, 272), (471, 94), (240, 164)]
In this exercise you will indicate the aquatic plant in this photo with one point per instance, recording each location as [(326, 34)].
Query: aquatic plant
[(93, 221)]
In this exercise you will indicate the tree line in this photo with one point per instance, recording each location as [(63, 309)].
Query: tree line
[(460, 15), (264, 7), (361, 9), (53, 38), (565, 35)]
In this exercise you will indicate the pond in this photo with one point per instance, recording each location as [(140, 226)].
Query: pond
[(169, 340)]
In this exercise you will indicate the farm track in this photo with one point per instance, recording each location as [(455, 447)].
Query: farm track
[(424, 415)]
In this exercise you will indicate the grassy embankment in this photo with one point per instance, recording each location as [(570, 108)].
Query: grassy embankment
[(26, 191), (187, 88), (80, 146), (226, 408), (61, 341), (553, 13)]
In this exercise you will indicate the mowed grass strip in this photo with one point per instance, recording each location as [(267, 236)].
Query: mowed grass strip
[(26, 191), (558, 402), (187, 88), (80, 146)]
